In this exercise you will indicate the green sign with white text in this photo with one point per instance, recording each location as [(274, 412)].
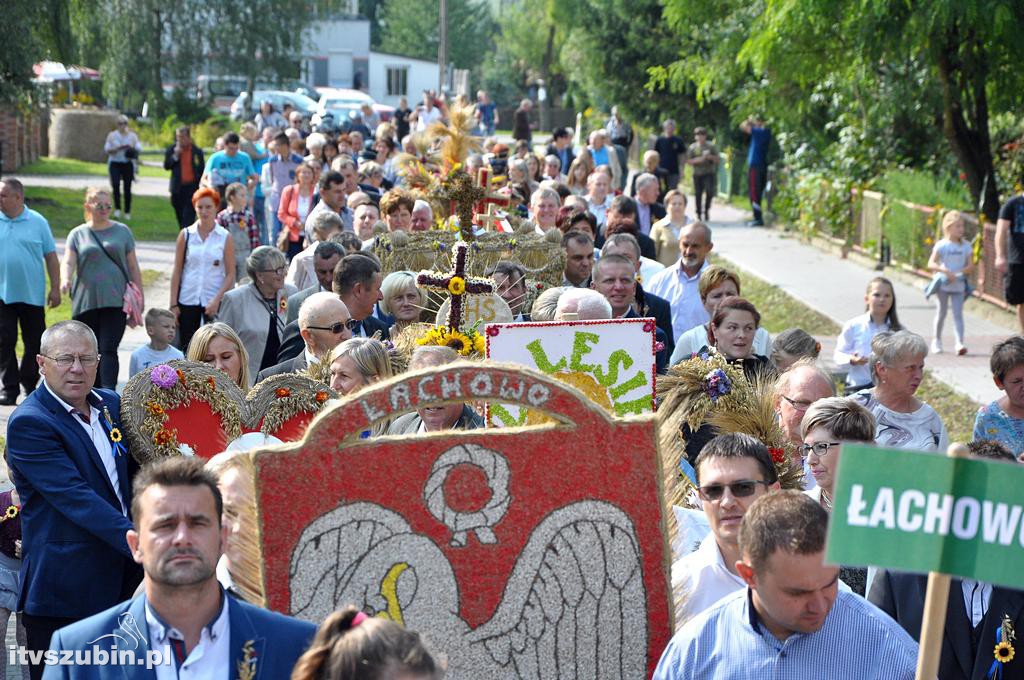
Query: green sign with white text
[(920, 512)]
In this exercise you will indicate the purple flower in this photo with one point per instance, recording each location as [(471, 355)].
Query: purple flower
[(717, 384), (164, 377)]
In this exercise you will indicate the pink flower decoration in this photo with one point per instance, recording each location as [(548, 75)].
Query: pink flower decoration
[(648, 327), (658, 346), (164, 377), (493, 330)]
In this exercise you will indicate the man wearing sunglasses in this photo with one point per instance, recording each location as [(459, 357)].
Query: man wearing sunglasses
[(324, 322), (733, 470)]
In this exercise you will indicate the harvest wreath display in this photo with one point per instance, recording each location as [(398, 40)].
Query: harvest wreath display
[(189, 408)]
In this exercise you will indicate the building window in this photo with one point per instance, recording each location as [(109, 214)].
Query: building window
[(398, 81)]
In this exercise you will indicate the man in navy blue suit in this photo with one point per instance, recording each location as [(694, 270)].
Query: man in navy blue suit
[(75, 486), (185, 622)]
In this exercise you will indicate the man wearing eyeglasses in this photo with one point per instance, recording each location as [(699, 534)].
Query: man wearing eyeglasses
[(795, 390), (324, 322), (73, 473), (733, 470)]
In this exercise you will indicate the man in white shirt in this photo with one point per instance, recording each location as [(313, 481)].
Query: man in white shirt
[(301, 273), (598, 196), (679, 283), (733, 470)]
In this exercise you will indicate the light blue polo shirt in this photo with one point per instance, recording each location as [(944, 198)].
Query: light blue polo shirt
[(26, 240), (228, 169)]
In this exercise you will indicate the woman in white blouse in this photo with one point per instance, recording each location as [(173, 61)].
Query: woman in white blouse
[(853, 347), (204, 267), (122, 148)]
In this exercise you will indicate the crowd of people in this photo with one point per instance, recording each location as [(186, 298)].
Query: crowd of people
[(274, 272)]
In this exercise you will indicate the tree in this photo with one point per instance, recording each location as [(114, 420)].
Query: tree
[(16, 64), (805, 56), (411, 28)]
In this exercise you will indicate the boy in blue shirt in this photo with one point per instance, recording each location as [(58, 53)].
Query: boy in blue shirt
[(160, 327)]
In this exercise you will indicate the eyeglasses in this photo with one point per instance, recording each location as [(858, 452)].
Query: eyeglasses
[(101, 206), (280, 271), (337, 327), (68, 360), (798, 405), (820, 449), (740, 489)]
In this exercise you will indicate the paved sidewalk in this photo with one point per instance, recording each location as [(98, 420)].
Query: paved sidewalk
[(142, 186), (835, 287)]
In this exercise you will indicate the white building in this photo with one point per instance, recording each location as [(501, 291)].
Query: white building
[(337, 53), (392, 76)]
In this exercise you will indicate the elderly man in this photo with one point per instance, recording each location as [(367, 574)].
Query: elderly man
[(28, 246), (325, 258), (544, 204), (184, 613), (332, 200), (453, 416), (648, 210), (582, 304), (579, 259), (422, 216), (73, 475), (323, 224), (324, 322), (357, 280), (679, 283), (791, 621), (733, 470), (510, 279), (552, 169), (795, 390)]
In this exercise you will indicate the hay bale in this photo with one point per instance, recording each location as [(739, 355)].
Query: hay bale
[(80, 133)]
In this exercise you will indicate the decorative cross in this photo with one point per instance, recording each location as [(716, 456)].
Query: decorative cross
[(462, 194), (497, 198), (490, 220), (455, 283)]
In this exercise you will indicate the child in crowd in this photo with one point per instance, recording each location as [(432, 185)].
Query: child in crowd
[(160, 327), (238, 219), (853, 347), (353, 646), (792, 345), (951, 261), (1003, 419), (10, 565)]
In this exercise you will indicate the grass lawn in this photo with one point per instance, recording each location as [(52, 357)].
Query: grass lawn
[(152, 216), (781, 311), (70, 166), (62, 312)]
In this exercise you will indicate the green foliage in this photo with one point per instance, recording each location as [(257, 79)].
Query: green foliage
[(152, 216), (411, 28), (19, 17), (924, 189), (69, 166), (159, 133)]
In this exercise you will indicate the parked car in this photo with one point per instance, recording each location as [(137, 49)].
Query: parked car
[(340, 102), (220, 91), (301, 103)]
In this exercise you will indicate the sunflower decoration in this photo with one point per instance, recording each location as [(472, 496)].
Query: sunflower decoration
[(468, 343), (1004, 651)]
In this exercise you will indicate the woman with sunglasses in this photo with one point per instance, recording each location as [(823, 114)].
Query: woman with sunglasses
[(258, 310), (99, 263), (826, 425), (122, 147)]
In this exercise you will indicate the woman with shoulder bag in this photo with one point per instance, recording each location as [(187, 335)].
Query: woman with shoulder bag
[(122, 147), (100, 267)]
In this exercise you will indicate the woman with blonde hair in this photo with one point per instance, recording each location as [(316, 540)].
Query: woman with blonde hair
[(402, 299), (218, 344), (359, 362), (98, 266)]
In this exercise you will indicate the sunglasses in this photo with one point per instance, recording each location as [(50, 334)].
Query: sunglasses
[(741, 489), (101, 206), (337, 327)]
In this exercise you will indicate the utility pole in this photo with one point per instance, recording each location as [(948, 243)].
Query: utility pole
[(442, 47)]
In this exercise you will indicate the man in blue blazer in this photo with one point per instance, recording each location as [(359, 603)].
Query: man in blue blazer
[(75, 486), (185, 625)]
